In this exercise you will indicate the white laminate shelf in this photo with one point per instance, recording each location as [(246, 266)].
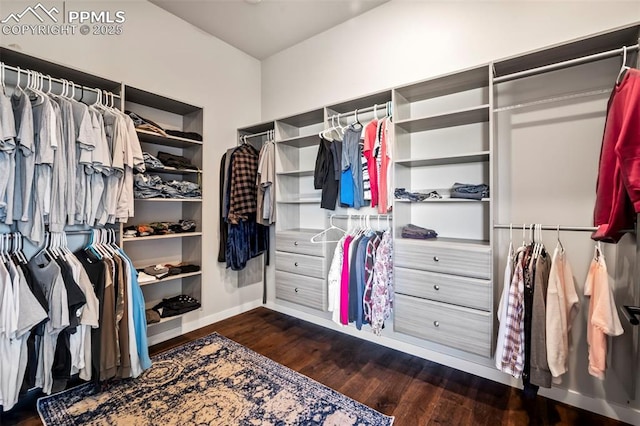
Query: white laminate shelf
[(174, 171), (462, 243), (301, 141), (296, 173), (163, 237), (442, 200), (477, 114), (170, 200), (172, 278), (167, 319), (173, 141), (472, 157)]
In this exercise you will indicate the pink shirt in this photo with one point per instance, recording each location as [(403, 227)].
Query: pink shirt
[(369, 153), (603, 317), (344, 283)]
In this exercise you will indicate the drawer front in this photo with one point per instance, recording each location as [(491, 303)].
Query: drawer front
[(311, 266), (298, 242), (302, 290), (454, 326), (456, 259), (463, 291)]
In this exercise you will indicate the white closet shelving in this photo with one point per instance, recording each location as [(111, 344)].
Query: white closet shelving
[(170, 248), (443, 286), (301, 266)]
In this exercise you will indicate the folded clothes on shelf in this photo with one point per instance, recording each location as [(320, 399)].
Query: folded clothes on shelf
[(417, 232), (402, 193), (152, 186), (177, 161), (144, 278), (145, 124), (158, 271), (186, 135), (155, 272), (160, 228), (152, 316), (177, 305), (151, 161), (469, 191)]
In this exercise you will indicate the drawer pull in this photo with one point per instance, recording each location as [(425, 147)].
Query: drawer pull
[(436, 287), (296, 289), (295, 243), (295, 264), (436, 259), (436, 323)]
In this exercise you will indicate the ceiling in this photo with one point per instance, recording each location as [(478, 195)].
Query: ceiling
[(264, 27)]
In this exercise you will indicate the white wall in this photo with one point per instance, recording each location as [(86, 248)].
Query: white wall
[(163, 54), (405, 41)]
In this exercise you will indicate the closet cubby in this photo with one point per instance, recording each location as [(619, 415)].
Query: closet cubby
[(170, 248)]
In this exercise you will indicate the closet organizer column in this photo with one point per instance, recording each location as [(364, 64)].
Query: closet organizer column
[(444, 290), (172, 248), (301, 266)]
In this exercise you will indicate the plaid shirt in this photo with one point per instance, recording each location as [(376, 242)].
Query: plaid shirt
[(513, 354), (244, 172)]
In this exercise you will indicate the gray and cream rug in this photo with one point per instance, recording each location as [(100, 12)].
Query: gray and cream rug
[(210, 381)]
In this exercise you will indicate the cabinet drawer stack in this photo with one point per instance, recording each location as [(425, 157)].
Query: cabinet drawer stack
[(443, 286), (444, 294), (301, 269)]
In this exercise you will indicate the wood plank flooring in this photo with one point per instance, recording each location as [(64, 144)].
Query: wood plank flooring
[(415, 391)]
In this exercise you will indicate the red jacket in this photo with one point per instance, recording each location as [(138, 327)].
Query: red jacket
[(618, 187)]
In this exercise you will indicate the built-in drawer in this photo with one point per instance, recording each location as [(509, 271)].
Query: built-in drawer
[(461, 328), (298, 242), (470, 260), (463, 291), (307, 291), (311, 266)]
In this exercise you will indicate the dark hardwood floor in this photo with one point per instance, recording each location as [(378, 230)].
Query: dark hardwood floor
[(415, 391)]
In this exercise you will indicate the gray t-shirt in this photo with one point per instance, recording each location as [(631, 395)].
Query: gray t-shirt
[(351, 159), (25, 160), (7, 155)]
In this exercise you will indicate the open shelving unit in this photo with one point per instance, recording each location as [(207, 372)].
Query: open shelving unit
[(169, 248)]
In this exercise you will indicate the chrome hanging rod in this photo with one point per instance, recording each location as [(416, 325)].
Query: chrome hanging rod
[(564, 64), (359, 216), (554, 99), (517, 226), (386, 106), (255, 135), (48, 78)]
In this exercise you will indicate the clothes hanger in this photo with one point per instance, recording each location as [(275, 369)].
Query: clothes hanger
[(332, 226), (624, 68), (558, 238)]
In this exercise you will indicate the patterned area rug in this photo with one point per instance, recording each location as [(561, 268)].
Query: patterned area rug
[(211, 381)]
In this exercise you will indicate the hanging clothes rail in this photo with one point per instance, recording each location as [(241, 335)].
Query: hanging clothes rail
[(385, 106), (564, 64), (556, 228), (360, 216), (255, 135), (20, 71), (555, 99)]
